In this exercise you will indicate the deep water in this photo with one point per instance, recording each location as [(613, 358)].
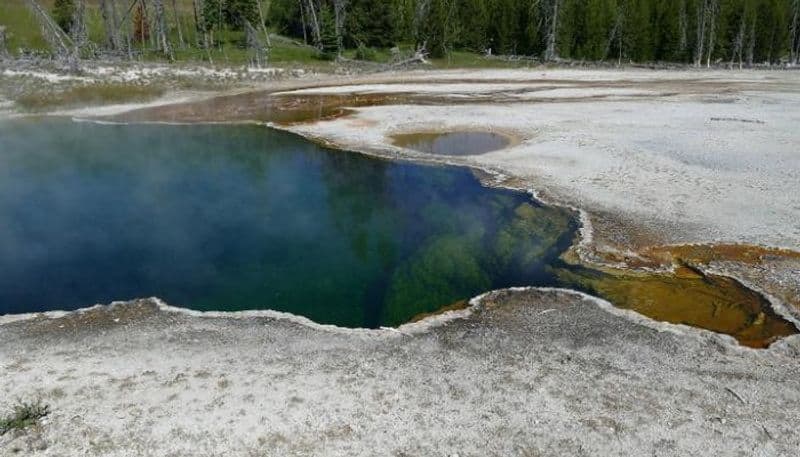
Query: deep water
[(244, 217)]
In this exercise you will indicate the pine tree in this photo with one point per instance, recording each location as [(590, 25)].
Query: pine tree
[(690, 31), (237, 12), (329, 43), (666, 24), (794, 41), (535, 29), (632, 31), (438, 30), (285, 16), (210, 11), (370, 23), (474, 19)]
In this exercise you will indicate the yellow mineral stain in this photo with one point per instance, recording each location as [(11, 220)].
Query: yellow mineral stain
[(707, 253), (690, 297), (461, 304), (280, 109)]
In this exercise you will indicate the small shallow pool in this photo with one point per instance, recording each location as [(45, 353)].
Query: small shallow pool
[(456, 143)]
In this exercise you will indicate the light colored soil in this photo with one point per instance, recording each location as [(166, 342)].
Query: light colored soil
[(690, 157), (540, 373), (651, 157), (654, 157)]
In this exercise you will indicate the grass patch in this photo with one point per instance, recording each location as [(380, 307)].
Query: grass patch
[(285, 52), (21, 27), (464, 59), (100, 94), (24, 33), (25, 414)]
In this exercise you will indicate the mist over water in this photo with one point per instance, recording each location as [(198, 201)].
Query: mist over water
[(244, 217)]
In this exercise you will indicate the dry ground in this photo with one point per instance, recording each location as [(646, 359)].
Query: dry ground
[(651, 157), (673, 157), (532, 373)]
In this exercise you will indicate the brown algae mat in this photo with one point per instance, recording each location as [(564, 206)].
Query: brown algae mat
[(689, 297)]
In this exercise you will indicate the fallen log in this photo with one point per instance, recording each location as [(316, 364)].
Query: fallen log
[(420, 56)]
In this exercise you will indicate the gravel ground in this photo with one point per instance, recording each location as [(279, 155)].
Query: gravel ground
[(529, 373)]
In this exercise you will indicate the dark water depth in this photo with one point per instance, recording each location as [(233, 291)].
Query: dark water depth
[(234, 218)]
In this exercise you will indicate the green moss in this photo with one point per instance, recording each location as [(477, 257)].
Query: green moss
[(440, 273), (525, 242), (22, 30), (89, 95)]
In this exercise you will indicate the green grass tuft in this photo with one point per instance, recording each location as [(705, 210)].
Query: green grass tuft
[(25, 414)]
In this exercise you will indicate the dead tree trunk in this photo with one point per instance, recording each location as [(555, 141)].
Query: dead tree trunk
[(420, 56), (114, 16), (551, 52), (254, 45), (713, 10), (262, 25), (161, 29), (303, 21), (120, 31), (59, 41), (109, 25), (152, 25), (78, 27), (418, 23), (221, 28), (795, 35), (181, 43), (197, 25), (616, 35), (683, 28), (738, 42), (3, 49), (702, 16), (202, 26), (124, 29), (315, 26), (751, 47), (339, 14)]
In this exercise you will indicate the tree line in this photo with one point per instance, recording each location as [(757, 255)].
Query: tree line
[(130, 26), (741, 32), (701, 32)]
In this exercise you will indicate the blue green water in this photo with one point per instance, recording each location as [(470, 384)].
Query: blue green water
[(235, 218)]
